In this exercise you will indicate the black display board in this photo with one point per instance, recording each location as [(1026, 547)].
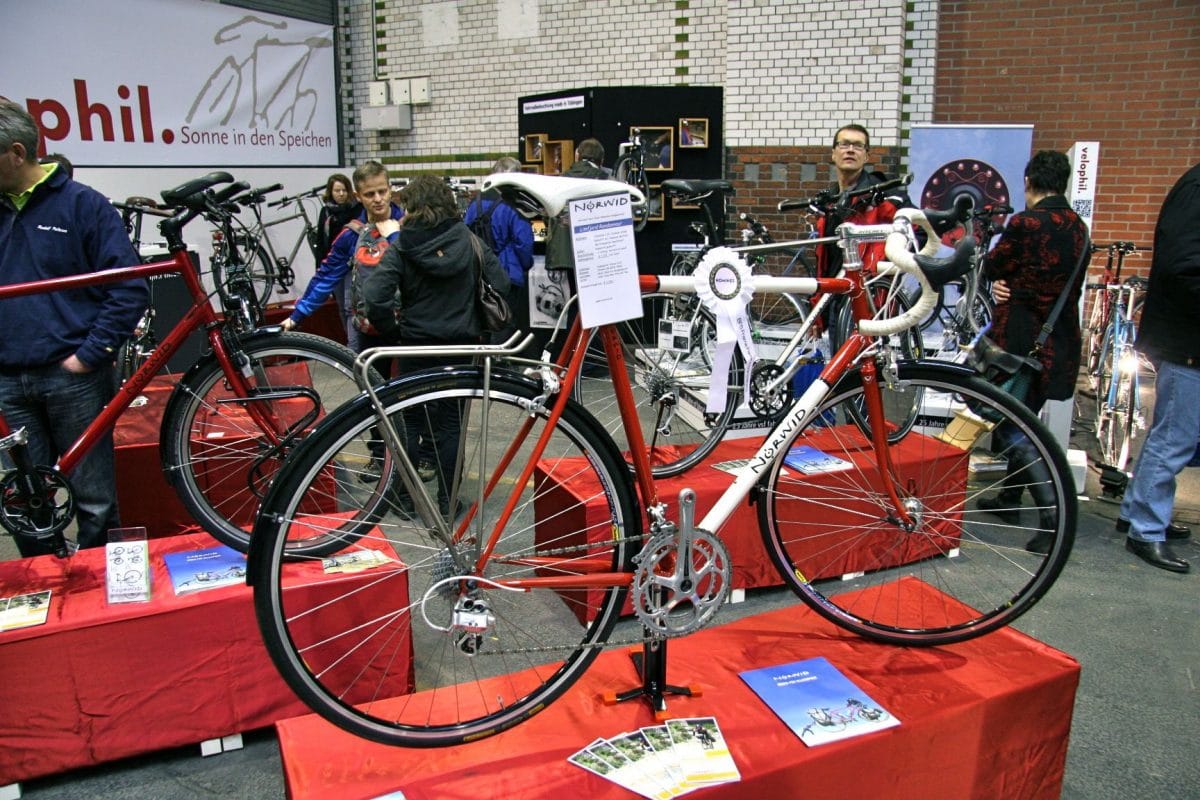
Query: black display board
[(607, 113)]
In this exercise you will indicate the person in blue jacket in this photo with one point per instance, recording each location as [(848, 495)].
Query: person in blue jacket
[(57, 350), (354, 255), (512, 242)]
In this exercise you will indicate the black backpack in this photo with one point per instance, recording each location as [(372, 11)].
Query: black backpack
[(481, 226)]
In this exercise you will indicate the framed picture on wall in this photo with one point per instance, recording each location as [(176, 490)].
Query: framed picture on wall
[(557, 155), (660, 147), (655, 204), (533, 146), (693, 132)]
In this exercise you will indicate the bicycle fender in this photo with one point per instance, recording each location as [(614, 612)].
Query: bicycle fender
[(356, 406)]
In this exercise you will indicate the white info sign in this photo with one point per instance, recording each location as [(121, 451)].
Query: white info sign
[(606, 272)]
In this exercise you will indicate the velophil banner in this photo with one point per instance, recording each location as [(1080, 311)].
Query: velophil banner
[(172, 83)]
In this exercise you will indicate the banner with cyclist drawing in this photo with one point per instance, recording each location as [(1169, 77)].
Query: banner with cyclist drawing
[(172, 83)]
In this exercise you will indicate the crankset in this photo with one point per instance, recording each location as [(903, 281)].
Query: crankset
[(33, 513), (682, 578)]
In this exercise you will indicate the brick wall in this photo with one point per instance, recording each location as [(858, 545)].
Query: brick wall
[(1124, 73)]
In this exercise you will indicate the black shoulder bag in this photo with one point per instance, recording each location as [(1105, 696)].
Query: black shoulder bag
[(493, 308), (1013, 373)]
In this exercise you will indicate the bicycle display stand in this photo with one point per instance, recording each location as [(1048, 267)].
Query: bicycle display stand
[(651, 666)]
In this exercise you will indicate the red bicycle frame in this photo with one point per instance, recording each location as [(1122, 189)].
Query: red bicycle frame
[(201, 314)]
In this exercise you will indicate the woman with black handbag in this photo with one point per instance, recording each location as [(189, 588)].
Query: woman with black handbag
[(426, 292), (1037, 268)]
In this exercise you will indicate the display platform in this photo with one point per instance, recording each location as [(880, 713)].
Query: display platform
[(982, 719), (144, 497), (752, 568), (98, 682)]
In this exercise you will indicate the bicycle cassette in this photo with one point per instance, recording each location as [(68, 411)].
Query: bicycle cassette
[(766, 404), (673, 596)]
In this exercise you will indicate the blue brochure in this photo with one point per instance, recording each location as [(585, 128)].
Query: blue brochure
[(818, 702)]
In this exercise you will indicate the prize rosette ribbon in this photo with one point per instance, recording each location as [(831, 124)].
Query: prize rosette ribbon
[(724, 284)]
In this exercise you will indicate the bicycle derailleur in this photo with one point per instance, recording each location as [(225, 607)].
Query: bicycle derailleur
[(682, 577)]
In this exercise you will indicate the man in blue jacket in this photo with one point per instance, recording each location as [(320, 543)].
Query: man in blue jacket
[(512, 242), (354, 254), (57, 349)]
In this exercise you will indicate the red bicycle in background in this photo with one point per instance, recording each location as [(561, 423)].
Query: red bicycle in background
[(231, 419)]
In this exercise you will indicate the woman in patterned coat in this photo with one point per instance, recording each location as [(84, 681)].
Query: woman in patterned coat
[(1031, 264)]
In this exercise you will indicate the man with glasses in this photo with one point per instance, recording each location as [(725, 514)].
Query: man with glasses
[(851, 147)]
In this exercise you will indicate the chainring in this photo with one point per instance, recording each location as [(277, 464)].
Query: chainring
[(46, 517), (670, 602), (763, 403)]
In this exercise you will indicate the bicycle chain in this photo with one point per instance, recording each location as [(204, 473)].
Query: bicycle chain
[(647, 637)]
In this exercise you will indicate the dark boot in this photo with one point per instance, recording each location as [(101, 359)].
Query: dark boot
[(1005, 504)]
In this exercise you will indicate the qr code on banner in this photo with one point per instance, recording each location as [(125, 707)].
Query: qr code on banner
[(1082, 207)]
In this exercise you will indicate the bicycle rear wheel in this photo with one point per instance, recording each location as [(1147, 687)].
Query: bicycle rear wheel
[(436, 651), (670, 385), (259, 267), (958, 571), (216, 456)]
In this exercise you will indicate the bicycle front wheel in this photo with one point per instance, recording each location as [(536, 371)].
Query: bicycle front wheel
[(974, 489), (471, 626), (671, 382), (1118, 408), (630, 172), (887, 300), (218, 458)]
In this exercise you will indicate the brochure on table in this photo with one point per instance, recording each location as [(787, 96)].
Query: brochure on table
[(818, 702), (211, 568), (810, 460), (24, 610), (663, 761)]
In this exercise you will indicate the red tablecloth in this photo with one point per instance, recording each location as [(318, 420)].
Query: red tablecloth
[(143, 495), (752, 568), (984, 719), (99, 682)]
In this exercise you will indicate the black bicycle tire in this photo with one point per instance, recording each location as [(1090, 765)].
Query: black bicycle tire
[(189, 401), (649, 377), (627, 171), (984, 546), (269, 553), (264, 281)]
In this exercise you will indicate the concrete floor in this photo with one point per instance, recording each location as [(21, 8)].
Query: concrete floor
[(1134, 629)]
